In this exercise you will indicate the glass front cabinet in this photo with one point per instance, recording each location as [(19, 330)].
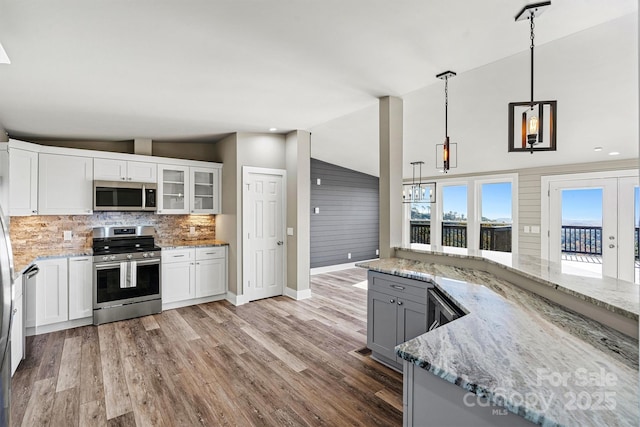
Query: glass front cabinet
[(188, 190), (205, 195)]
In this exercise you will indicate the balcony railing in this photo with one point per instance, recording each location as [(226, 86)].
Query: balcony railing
[(454, 234), (497, 237), (581, 240)]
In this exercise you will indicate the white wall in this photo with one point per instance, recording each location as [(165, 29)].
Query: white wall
[(592, 74)]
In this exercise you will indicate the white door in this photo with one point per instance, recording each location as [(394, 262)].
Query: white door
[(628, 228), (591, 226), (263, 232)]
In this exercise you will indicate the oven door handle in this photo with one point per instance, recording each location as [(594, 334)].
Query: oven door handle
[(107, 266), (148, 261)]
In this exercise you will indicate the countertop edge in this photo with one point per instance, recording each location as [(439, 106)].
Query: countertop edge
[(557, 286)]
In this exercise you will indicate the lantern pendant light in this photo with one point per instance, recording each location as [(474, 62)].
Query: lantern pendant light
[(538, 118), (447, 146)]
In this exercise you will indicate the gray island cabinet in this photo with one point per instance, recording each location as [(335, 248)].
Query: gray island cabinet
[(512, 358), (396, 312)]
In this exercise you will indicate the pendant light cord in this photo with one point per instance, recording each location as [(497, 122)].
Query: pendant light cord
[(532, 47), (446, 105)]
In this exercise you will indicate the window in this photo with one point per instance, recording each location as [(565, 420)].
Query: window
[(496, 216), (454, 216)]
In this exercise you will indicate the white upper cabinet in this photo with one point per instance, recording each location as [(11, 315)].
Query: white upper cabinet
[(205, 194), (65, 185), (122, 170), (173, 189), (23, 182)]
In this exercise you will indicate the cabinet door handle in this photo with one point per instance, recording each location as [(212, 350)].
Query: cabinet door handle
[(34, 211), (400, 303), (398, 287), (178, 256), (392, 301), (15, 310)]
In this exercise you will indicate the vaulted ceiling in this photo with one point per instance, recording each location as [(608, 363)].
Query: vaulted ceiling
[(169, 70)]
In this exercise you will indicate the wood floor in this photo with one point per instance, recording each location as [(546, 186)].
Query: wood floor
[(274, 362)]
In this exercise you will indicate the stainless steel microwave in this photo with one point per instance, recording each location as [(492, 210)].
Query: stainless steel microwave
[(124, 196)]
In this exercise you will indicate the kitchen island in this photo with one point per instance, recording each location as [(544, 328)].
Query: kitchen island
[(512, 353)]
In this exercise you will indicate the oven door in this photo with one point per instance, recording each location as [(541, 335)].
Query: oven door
[(125, 282)]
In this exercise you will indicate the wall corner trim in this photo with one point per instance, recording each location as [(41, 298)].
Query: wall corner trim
[(297, 295), (236, 299)]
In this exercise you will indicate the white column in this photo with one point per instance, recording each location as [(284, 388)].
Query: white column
[(390, 175)]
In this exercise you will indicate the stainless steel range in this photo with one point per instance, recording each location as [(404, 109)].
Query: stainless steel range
[(126, 273)]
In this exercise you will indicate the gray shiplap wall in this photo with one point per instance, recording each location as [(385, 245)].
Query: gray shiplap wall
[(348, 218)]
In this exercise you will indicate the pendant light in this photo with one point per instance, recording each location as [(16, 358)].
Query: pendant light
[(536, 131), (418, 191), (448, 148)]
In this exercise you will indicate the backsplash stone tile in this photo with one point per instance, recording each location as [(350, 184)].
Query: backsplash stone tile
[(34, 236)]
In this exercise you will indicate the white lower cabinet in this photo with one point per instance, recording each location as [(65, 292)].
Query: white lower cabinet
[(48, 303), (193, 273), (80, 287), (177, 280)]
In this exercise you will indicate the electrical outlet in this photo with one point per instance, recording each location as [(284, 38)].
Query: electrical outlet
[(289, 231), (316, 210), (349, 255), (377, 251), (318, 181), (67, 235), (192, 230)]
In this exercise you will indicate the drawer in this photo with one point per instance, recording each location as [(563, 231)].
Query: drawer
[(178, 255), (210, 252), (414, 290)]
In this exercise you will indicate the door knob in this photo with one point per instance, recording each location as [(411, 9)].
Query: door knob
[(612, 246), (280, 243)]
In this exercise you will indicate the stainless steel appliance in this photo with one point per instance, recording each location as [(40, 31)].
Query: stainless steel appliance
[(126, 273), (6, 281), (28, 286), (124, 196), (440, 310)]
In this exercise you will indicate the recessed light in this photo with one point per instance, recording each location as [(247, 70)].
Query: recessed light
[(273, 129), (614, 153), (597, 149)]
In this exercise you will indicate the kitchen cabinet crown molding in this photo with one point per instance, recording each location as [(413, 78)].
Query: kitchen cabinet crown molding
[(108, 155)]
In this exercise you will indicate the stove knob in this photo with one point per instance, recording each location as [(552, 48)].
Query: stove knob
[(105, 258), (129, 256), (145, 255), (152, 254), (112, 257)]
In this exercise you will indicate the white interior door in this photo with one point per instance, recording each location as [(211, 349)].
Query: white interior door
[(263, 232), (586, 205), (628, 216)]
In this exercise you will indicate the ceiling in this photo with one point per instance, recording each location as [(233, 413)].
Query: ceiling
[(176, 70)]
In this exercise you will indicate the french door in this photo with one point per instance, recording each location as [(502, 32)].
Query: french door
[(592, 226)]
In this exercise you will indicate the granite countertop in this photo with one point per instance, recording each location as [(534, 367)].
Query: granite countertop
[(184, 244), (616, 295), (547, 364), (23, 260)]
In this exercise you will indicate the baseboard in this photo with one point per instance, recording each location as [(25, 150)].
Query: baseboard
[(61, 326), (188, 302), (236, 299), (337, 267), (297, 295)]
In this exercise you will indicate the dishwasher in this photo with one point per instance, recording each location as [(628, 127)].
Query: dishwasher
[(28, 286), (440, 309)]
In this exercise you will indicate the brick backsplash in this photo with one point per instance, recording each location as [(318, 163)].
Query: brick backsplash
[(33, 236)]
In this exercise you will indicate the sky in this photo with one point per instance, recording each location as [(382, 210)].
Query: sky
[(577, 204), (496, 199), (584, 204)]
